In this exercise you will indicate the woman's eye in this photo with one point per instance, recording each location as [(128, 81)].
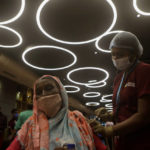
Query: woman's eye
[(48, 87)]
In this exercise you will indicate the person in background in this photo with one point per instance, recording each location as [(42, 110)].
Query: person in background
[(3, 126), (52, 125), (131, 96), (12, 122), (23, 116)]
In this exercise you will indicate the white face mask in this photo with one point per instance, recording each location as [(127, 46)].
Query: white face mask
[(122, 63)]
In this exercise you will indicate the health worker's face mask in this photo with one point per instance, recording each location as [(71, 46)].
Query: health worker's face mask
[(121, 63), (50, 104)]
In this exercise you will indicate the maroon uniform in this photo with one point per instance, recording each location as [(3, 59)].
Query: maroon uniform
[(136, 85)]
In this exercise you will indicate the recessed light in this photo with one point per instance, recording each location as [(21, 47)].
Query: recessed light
[(138, 10), (17, 16), (96, 84), (48, 47), (91, 94), (77, 89), (16, 33), (98, 40), (92, 104), (43, 4), (106, 98)]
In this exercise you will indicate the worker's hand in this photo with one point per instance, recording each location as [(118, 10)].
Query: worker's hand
[(103, 114), (99, 129), (93, 122)]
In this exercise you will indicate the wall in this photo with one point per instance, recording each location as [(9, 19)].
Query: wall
[(8, 91)]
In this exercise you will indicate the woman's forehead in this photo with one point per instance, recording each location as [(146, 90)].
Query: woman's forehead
[(120, 49), (42, 82)]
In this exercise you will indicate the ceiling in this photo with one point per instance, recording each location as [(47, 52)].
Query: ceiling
[(61, 35)]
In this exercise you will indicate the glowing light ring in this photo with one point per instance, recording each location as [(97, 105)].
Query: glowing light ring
[(108, 105), (92, 81), (109, 108), (15, 32), (88, 94), (104, 98), (88, 84), (97, 41), (71, 86), (138, 10), (96, 86), (92, 104), (48, 46), (17, 16), (68, 42)]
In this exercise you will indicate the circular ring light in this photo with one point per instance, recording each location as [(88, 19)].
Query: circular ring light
[(91, 94), (138, 10), (92, 81), (88, 84), (17, 16), (48, 46), (108, 33), (96, 86), (105, 99), (92, 104), (108, 105), (68, 42), (109, 109), (16, 33), (71, 86), (92, 85)]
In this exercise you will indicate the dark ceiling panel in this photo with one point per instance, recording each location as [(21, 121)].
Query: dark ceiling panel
[(72, 20)]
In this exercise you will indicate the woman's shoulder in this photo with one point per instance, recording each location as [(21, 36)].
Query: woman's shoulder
[(29, 121), (76, 113), (77, 116), (143, 69), (143, 65)]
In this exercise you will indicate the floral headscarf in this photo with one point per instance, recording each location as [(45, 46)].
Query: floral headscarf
[(39, 133)]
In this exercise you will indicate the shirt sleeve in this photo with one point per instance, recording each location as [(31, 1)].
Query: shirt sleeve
[(18, 123), (15, 145), (143, 80), (98, 143)]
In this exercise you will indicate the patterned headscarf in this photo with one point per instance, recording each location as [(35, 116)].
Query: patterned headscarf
[(39, 133)]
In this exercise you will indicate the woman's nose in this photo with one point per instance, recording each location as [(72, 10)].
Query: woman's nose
[(43, 92)]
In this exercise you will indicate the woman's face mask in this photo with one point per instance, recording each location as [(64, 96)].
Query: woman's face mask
[(122, 58), (50, 105), (48, 97), (121, 63)]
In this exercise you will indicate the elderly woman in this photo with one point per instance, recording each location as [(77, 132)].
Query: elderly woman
[(131, 96), (52, 125)]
